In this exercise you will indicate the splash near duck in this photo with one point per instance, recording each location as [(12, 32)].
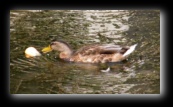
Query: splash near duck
[(96, 53)]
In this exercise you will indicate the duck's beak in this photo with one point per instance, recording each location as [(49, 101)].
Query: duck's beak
[(47, 49)]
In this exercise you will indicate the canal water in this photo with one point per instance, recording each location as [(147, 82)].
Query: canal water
[(47, 74)]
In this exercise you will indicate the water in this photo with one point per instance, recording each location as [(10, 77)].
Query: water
[(139, 74)]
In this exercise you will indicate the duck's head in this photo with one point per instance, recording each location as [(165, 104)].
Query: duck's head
[(60, 46), (57, 46)]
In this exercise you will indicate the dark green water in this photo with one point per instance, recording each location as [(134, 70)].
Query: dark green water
[(140, 74)]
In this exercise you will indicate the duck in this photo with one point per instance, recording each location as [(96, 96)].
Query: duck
[(93, 53)]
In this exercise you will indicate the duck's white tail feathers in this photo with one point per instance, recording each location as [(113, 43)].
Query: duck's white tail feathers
[(130, 50)]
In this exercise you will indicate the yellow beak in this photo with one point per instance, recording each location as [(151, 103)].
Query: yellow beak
[(46, 49)]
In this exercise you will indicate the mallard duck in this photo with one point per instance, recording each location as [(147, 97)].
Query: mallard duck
[(96, 53)]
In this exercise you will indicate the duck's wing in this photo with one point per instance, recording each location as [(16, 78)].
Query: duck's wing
[(101, 49), (87, 50), (112, 49)]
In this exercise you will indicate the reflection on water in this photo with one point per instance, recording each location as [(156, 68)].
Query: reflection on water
[(139, 74)]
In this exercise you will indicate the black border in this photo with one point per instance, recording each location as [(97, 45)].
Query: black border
[(106, 5)]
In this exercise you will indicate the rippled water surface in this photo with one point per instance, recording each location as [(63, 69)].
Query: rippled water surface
[(47, 74)]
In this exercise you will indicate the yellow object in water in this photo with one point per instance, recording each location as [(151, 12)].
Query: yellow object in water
[(31, 52)]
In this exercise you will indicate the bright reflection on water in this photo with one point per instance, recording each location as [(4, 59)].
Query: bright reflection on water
[(139, 74)]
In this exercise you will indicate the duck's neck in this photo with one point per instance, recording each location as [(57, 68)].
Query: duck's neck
[(67, 53)]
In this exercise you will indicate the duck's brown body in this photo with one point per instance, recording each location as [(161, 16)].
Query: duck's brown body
[(92, 53), (103, 58), (98, 54)]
